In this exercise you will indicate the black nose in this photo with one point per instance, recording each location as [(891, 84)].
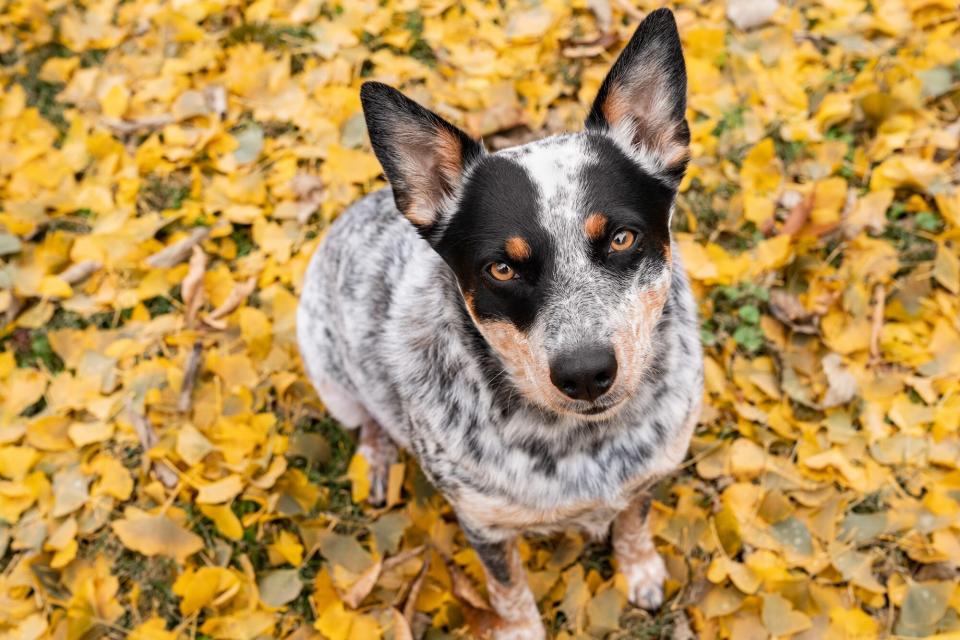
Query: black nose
[(585, 373)]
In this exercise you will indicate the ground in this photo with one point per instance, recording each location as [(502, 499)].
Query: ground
[(167, 168)]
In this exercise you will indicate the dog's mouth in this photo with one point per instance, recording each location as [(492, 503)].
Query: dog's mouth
[(599, 410), (592, 411)]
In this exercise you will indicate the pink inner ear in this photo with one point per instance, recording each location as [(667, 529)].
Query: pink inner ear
[(432, 165), (640, 114)]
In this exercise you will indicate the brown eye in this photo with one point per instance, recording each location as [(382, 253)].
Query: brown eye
[(622, 240), (502, 271)]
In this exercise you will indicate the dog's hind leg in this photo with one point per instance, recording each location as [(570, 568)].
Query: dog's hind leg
[(637, 558), (376, 446), (510, 595), (380, 452), (339, 402)]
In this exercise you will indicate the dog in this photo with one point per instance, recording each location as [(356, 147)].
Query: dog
[(520, 320)]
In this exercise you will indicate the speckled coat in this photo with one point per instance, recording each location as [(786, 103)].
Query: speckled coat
[(441, 310)]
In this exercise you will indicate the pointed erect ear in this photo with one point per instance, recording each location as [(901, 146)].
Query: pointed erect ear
[(643, 100), (423, 155)]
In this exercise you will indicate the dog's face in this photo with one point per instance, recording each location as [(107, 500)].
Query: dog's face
[(561, 247)]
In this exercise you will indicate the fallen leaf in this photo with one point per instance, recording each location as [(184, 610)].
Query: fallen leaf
[(360, 589), (280, 587), (780, 618), (155, 534), (749, 14)]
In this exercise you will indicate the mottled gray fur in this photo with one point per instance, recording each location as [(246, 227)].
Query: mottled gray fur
[(389, 338), (383, 334)]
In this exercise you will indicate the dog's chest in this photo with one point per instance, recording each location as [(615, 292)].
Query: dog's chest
[(507, 517), (509, 490)]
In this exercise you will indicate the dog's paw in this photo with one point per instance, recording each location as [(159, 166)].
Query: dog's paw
[(380, 453), (379, 475), (645, 578)]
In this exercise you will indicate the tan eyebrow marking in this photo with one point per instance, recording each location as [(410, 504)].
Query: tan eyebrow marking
[(517, 248), (594, 225)]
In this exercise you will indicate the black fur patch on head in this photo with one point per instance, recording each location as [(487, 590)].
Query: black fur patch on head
[(630, 198), (498, 201)]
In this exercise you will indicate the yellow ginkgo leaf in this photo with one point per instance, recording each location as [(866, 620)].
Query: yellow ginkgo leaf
[(54, 287), (359, 475), (114, 478), (224, 519), (286, 548), (16, 462), (780, 618), (152, 629), (221, 491), (200, 588), (155, 534)]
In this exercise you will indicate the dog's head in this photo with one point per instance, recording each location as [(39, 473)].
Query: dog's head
[(561, 247)]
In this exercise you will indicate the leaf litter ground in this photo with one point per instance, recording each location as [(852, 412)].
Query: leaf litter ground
[(167, 170)]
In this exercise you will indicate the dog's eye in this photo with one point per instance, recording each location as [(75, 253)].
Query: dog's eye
[(622, 240), (502, 271)]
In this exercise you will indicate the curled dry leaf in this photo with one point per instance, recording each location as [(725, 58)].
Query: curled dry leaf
[(148, 438), (799, 214), (463, 587), (139, 125), (401, 628), (237, 295), (178, 251), (191, 289), (360, 589), (190, 372), (788, 309), (77, 273), (409, 608), (399, 558), (842, 385)]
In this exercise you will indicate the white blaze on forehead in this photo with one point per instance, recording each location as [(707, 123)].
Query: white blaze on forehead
[(553, 165)]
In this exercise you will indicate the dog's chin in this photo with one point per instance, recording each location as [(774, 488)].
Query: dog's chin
[(603, 409)]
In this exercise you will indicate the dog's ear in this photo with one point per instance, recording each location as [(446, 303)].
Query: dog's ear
[(643, 100), (423, 155)]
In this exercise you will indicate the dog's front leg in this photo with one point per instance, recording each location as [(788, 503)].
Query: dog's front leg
[(380, 452), (636, 556), (510, 595)]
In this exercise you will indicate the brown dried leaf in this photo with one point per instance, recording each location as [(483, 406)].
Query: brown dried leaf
[(363, 586)]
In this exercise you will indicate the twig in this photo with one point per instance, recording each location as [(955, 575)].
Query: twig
[(190, 377), (77, 273), (880, 294), (191, 289), (178, 251), (148, 438), (128, 127)]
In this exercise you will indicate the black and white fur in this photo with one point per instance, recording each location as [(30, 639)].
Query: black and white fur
[(401, 323)]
